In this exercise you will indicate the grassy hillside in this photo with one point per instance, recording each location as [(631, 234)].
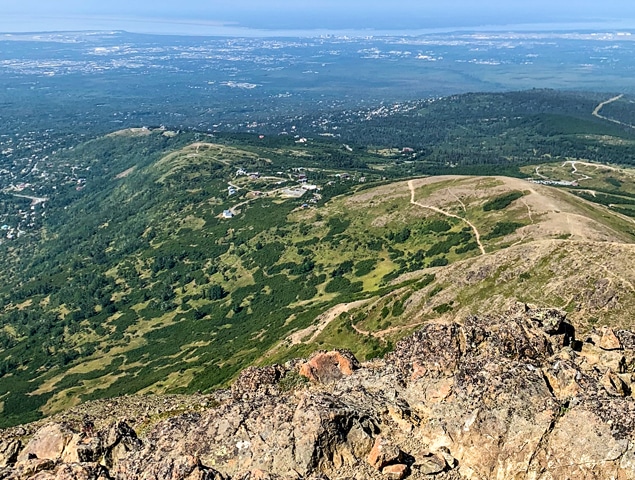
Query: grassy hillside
[(202, 296), (558, 251), (168, 261), (140, 283)]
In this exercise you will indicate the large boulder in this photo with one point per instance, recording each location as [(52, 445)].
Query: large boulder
[(325, 367), (50, 442), (384, 453), (609, 340)]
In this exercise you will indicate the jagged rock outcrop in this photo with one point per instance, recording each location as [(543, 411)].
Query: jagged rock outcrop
[(325, 367), (500, 397), (255, 380), (9, 449), (59, 451)]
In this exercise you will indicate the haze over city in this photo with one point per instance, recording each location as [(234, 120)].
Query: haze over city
[(225, 17)]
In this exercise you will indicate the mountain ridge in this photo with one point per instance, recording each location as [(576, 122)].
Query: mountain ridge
[(168, 260), (523, 234)]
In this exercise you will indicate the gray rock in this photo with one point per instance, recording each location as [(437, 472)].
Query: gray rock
[(488, 397)]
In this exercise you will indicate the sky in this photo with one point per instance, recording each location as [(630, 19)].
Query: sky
[(216, 16)]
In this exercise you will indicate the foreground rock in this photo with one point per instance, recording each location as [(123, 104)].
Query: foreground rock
[(325, 367), (515, 396)]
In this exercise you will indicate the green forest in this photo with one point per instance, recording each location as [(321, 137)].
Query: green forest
[(134, 280)]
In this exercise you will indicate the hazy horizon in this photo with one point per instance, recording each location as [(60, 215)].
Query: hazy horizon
[(226, 17)]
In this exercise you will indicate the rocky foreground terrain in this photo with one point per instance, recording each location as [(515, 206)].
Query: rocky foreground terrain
[(515, 396)]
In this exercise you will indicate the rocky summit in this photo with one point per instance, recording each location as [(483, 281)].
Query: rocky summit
[(514, 396)]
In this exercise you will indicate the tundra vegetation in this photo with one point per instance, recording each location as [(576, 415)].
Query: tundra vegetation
[(182, 257)]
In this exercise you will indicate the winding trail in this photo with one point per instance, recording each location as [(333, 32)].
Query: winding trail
[(590, 164), (540, 174), (531, 218), (596, 111), (574, 169), (323, 321), (457, 199), (235, 208), (591, 192), (447, 214), (382, 333), (585, 258)]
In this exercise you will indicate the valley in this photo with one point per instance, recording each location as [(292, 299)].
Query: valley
[(165, 261), (384, 260)]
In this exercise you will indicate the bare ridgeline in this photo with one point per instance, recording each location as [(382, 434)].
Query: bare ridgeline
[(510, 396)]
